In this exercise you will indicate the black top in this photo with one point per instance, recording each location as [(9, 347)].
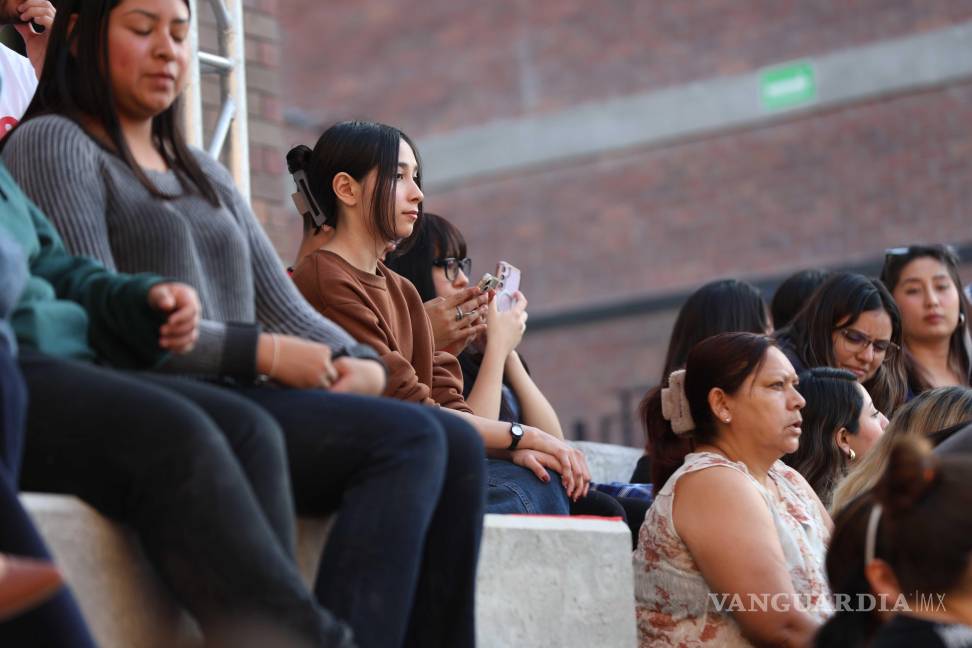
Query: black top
[(905, 631)]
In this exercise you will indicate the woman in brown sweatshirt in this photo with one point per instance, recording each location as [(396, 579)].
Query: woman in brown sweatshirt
[(362, 180)]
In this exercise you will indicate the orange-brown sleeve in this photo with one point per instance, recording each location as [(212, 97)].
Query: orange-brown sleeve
[(347, 304), (447, 382)]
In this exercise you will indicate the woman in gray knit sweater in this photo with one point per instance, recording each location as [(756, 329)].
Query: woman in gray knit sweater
[(99, 150)]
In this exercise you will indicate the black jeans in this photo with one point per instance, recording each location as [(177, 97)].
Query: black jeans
[(408, 483), (57, 622), (198, 472)]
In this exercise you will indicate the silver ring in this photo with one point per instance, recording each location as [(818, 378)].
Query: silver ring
[(459, 313)]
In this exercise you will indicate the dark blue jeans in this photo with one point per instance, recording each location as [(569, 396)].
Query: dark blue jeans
[(514, 489), (408, 484), (57, 622), (198, 472)]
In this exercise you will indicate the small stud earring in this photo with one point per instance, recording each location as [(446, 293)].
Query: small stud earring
[(961, 319), (851, 454)]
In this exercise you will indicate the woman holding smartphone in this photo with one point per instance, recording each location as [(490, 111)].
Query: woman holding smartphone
[(364, 179), (496, 381)]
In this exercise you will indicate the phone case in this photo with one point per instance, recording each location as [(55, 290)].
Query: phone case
[(509, 283), (488, 282)]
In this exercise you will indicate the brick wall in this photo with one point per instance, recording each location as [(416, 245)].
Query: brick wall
[(833, 187), (437, 65)]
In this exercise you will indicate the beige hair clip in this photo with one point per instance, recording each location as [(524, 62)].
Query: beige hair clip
[(675, 405)]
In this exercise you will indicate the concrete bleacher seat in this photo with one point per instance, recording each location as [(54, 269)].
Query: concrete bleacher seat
[(609, 462), (542, 580)]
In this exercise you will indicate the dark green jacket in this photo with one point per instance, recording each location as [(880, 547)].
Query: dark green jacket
[(72, 307)]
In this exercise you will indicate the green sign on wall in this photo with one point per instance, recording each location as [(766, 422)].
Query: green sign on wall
[(788, 85)]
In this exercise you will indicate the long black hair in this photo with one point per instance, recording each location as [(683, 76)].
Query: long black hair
[(355, 148), (840, 300), (74, 83), (959, 351), (834, 401), (721, 306)]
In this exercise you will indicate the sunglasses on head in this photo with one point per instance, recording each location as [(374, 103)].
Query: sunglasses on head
[(943, 250)]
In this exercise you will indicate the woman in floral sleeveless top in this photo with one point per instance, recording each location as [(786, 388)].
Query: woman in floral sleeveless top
[(738, 556)]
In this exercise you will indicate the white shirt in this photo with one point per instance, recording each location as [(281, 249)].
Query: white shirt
[(17, 84)]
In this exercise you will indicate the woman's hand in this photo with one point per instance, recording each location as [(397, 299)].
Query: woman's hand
[(564, 459), (537, 462), (41, 12), (504, 329), (451, 332), (359, 376), (181, 329), (295, 362)]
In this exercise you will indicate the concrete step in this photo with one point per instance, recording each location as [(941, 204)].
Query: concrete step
[(543, 581)]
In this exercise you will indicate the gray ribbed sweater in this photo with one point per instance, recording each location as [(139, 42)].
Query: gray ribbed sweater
[(102, 211)]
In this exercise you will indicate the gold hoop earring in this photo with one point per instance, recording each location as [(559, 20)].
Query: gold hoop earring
[(851, 455)]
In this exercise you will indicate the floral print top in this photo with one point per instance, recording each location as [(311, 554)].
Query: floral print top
[(675, 606)]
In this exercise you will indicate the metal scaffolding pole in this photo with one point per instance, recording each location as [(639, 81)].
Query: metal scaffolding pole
[(230, 64)]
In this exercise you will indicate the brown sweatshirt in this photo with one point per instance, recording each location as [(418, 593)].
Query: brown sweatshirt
[(385, 311)]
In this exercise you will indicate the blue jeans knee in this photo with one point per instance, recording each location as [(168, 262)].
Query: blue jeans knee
[(514, 489)]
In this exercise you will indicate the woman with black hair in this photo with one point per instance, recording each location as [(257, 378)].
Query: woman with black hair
[(926, 286), (840, 425), (496, 383), (100, 151), (495, 380), (851, 322), (721, 306), (363, 178)]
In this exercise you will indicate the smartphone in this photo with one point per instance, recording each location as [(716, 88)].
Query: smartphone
[(488, 282), (509, 283)]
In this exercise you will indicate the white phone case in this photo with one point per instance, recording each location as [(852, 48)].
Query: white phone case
[(509, 276)]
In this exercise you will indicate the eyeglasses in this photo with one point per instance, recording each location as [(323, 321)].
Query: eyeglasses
[(855, 341), (452, 266)]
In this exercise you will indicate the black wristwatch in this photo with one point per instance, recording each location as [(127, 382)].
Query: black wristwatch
[(516, 431)]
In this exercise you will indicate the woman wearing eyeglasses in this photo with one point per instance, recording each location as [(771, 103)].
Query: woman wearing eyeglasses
[(495, 382), (851, 323), (925, 283)]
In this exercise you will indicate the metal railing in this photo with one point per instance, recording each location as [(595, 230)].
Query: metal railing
[(230, 65)]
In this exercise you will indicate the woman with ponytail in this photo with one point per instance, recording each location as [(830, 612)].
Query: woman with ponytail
[(737, 556), (840, 426), (905, 546), (363, 179)]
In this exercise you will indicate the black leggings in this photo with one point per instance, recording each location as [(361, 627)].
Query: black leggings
[(197, 471)]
